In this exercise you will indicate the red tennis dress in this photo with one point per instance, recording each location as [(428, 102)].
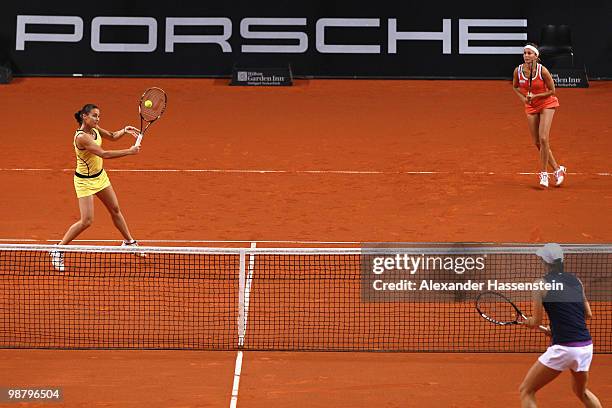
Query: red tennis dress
[(537, 86)]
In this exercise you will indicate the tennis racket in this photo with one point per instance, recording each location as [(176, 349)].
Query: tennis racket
[(152, 105), (498, 309), (530, 78)]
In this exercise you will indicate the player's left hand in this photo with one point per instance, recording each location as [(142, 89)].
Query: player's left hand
[(131, 130), (529, 97), (529, 322)]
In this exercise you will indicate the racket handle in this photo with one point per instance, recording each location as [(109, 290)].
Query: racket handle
[(541, 328), (544, 329), (138, 140)]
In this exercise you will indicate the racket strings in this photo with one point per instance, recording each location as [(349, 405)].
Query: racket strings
[(158, 104), (497, 309)]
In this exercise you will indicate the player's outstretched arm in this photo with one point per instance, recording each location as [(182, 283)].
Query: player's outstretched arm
[(118, 134), (86, 143)]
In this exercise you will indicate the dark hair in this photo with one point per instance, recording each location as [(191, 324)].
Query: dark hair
[(556, 266), (85, 109), (537, 47)]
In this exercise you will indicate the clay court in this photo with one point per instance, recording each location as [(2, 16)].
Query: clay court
[(325, 163)]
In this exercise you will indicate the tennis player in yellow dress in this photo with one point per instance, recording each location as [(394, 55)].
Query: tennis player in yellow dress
[(91, 180)]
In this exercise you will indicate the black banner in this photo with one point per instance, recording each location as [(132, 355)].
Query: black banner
[(319, 39), (569, 78), (252, 76)]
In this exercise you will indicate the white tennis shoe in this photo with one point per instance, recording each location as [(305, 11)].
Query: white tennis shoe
[(134, 243), (560, 175), (544, 179), (57, 260)]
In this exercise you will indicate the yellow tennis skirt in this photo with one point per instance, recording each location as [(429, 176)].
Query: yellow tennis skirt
[(86, 186)]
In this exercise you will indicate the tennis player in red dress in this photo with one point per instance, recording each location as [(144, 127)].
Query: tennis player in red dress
[(538, 95)]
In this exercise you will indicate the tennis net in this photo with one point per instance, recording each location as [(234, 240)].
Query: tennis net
[(279, 299)]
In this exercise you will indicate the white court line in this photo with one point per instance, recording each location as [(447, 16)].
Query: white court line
[(247, 296), (272, 171), (22, 240), (237, 371)]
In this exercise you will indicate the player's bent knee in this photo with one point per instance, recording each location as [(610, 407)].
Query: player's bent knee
[(583, 397), (86, 222), (580, 393), (525, 389)]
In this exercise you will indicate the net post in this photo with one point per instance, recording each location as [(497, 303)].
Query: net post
[(241, 293)]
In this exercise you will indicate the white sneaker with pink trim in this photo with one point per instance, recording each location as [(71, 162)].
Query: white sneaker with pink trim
[(560, 175)]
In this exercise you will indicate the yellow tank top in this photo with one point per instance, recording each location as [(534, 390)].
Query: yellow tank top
[(87, 163)]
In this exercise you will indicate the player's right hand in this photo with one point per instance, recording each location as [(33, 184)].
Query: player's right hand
[(134, 149)]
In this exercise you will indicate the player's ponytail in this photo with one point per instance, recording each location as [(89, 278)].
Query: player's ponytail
[(86, 109)]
